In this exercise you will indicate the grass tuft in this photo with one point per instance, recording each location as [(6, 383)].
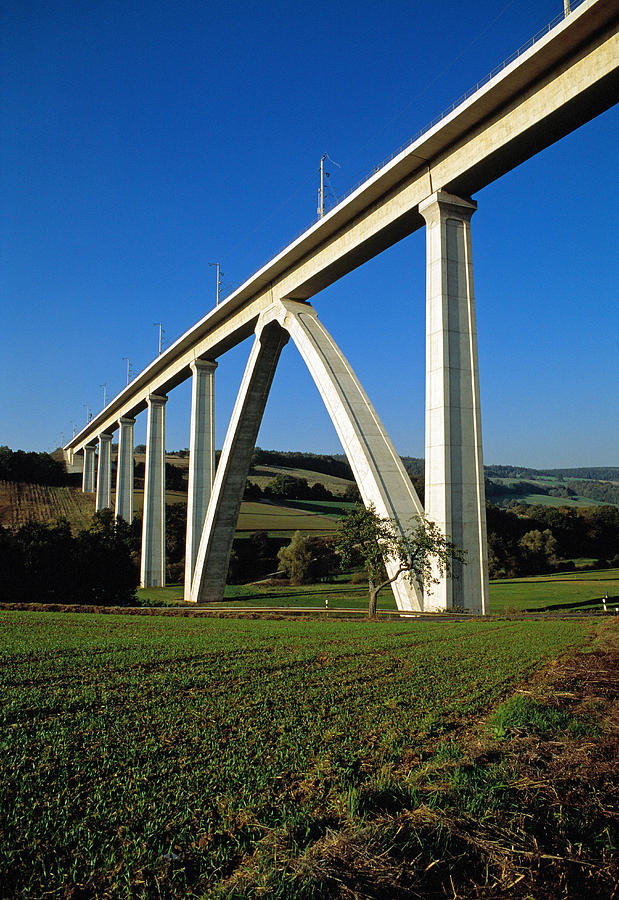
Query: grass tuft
[(523, 715)]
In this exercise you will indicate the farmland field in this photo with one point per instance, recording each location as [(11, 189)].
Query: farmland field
[(281, 520), (21, 503), (159, 757), (563, 591), (261, 475)]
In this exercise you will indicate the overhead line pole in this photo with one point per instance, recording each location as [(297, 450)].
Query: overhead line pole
[(218, 281), (321, 192), (160, 324)]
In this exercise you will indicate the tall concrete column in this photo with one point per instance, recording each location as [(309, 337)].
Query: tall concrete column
[(104, 473), (152, 572), (124, 470), (201, 459), (454, 483), (88, 475), (211, 566)]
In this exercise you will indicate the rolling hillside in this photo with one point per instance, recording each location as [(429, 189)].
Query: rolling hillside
[(505, 486), (21, 503)]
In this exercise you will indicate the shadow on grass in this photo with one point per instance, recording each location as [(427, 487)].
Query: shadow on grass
[(298, 593), (332, 508), (578, 604)]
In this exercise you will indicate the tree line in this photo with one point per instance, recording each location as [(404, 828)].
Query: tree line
[(47, 563), (593, 473), (531, 540), (32, 468), (290, 487), (315, 462), (509, 494), (99, 565)]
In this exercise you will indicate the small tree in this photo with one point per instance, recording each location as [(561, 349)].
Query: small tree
[(421, 552), (307, 560), (296, 559)]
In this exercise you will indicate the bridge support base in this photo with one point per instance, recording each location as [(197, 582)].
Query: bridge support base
[(380, 475), (379, 472)]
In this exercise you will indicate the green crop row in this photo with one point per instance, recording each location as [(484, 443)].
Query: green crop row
[(147, 756)]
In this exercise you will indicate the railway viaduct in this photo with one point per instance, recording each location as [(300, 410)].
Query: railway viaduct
[(563, 79)]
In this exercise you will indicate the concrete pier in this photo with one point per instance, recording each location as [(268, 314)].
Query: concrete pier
[(88, 474), (152, 570), (454, 481), (201, 459), (104, 473), (213, 556), (124, 470)]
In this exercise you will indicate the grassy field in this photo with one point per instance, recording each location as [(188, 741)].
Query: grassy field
[(546, 500), (573, 591), (261, 475), (20, 503), (179, 757), (281, 521), (556, 593), (542, 499)]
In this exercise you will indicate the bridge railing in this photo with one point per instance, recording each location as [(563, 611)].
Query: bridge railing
[(473, 90)]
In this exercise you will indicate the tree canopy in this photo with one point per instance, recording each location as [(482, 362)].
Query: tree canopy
[(31, 467), (421, 551), (46, 563)]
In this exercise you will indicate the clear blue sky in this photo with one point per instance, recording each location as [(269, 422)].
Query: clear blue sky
[(143, 140)]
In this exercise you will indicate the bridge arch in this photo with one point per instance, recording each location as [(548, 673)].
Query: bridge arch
[(377, 467)]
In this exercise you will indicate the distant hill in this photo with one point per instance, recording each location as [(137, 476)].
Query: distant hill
[(595, 473), (337, 464), (505, 485), (329, 464), (24, 494)]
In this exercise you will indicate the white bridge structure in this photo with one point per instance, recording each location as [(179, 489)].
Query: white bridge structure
[(564, 79)]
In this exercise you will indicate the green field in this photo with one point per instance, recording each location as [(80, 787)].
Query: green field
[(261, 475), (572, 591), (160, 756), (578, 501), (556, 593), (281, 520), (546, 500)]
